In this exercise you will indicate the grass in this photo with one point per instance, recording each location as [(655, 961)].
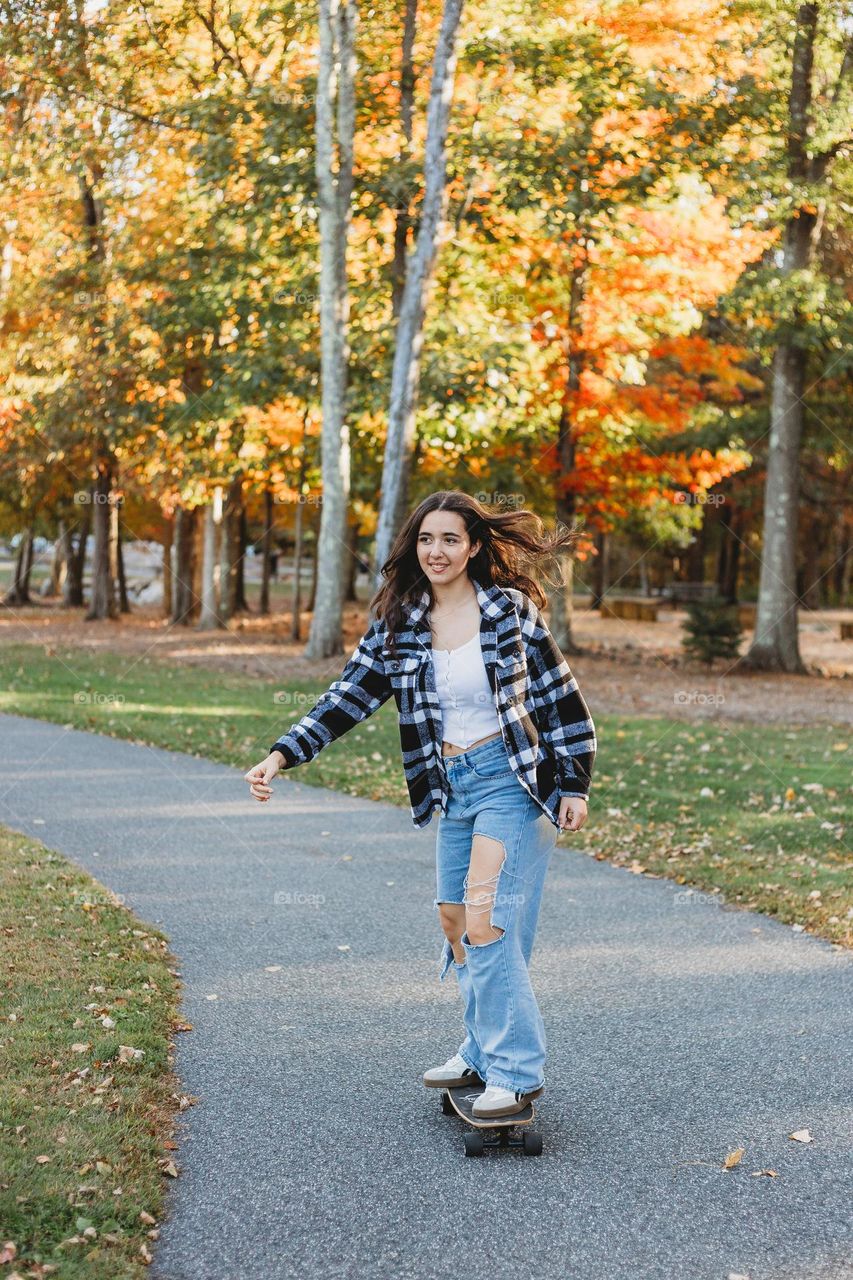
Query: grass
[(87, 1091), (772, 835)]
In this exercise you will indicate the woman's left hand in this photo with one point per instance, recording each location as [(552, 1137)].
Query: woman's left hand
[(573, 811)]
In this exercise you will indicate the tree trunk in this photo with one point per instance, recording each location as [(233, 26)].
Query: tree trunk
[(209, 618), (298, 545), (183, 577), (335, 128), (19, 590), (124, 603), (312, 595), (352, 568), (402, 214), (74, 595), (405, 373), (775, 644), (728, 561), (564, 498), (102, 603), (266, 551), (602, 569), (54, 583), (696, 553), (841, 559), (241, 604), (229, 548), (167, 568)]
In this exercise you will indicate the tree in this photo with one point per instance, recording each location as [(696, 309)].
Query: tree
[(405, 372), (811, 148), (335, 131)]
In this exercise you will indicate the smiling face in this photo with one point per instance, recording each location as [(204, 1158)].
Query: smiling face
[(444, 547)]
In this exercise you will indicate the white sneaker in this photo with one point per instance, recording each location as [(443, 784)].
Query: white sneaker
[(452, 1075), (496, 1101)]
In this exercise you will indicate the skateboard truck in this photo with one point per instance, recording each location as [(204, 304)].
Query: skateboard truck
[(491, 1131)]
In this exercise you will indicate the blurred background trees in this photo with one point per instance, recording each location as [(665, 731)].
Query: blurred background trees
[(635, 314)]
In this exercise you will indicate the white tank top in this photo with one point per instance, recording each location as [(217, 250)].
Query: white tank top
[(468, 709)]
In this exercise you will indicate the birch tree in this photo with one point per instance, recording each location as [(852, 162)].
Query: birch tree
[(419, 272), (335, 129)]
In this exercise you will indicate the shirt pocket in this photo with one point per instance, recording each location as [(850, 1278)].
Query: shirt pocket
[(511, 672), (404, 674)]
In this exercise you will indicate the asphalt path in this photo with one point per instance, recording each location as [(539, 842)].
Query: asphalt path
[(678, 1031)]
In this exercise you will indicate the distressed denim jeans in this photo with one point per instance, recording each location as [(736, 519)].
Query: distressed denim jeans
[(504, 1033)]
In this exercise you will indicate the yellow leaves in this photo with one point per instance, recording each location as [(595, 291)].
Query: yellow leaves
[(734, 1158)]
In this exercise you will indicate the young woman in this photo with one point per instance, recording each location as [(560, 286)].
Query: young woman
[(496, 737)]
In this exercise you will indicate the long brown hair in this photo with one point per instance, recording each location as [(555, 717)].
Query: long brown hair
[(512, 546)]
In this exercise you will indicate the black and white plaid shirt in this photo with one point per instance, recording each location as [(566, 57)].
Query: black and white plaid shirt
[(544, 720)]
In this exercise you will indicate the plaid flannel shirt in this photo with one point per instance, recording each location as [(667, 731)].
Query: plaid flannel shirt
[(544, 720)]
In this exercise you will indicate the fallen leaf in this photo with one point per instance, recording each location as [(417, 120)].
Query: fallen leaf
[(81, 1046), (801, 1135), (42, 1159), (764, 1173), (734, 1157), (147, 1218)]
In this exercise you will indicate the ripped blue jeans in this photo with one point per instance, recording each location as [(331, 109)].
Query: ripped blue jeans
[(505, 1035)]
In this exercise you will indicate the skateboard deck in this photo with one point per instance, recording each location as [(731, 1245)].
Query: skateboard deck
[(461, 1101)]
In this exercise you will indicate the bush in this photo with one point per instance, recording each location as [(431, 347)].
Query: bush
[(712, 630)]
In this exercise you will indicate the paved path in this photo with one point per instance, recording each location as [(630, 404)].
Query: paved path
[(677, 1031)]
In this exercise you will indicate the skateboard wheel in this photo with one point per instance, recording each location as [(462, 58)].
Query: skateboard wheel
[(532, 1143), (474, 1144), (446, 1106)]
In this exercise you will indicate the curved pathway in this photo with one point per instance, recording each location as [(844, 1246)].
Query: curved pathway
[(678, 1030)]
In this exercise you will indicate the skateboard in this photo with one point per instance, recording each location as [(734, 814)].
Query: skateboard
[(496, 1131)]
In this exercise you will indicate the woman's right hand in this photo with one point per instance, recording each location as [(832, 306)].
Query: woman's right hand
[(260, 777)]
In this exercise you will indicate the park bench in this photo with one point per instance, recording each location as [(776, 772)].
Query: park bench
[(633, 608)]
